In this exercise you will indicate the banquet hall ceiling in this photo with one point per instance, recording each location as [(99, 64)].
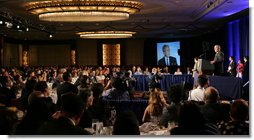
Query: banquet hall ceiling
[(157, 19)]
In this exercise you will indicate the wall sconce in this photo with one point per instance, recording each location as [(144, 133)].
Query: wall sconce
[(25, 58), (73, 57)]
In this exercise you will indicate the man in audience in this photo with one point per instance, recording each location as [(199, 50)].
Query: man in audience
[(118, 91), (239, 112), (8, 121), (38, 113), (66, 87), (170, 113), (212, 110), (7, 93), (126, 124), (71, 111), (192, 122), (198, 93)]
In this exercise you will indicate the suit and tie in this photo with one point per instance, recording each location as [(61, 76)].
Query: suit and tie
[(232, 68), (167, 61), (218, 63)]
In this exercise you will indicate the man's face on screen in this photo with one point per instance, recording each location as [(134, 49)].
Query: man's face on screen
[(166, 51)]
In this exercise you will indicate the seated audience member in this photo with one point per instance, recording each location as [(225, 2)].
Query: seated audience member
[(87, 97), (138, 72), (126, 124), (170, 114), (74, 76), (66, 124), (118, 90), (191, 122), (199, 93), (100, 78), (129, 82), (8, 121), (85, 82), (65, 87), (212, 109), (178, 72), (98, 105), (42, 87), (29, 88), (7, 93), (239, 112), (38, 113), (153, 111)]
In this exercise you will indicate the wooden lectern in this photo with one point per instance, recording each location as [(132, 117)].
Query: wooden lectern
[(205, 67)]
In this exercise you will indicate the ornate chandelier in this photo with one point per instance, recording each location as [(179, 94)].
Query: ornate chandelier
[(83, 10), (106, 34)]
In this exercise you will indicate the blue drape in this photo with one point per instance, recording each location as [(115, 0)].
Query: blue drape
[(238, 38)]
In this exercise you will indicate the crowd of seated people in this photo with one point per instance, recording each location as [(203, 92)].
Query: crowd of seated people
[(64, 101)]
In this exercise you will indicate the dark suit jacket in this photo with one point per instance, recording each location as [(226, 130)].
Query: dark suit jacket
[(233, 68), (219, 60), (172, 60), (61, 126), (6, 95), (65, 88)]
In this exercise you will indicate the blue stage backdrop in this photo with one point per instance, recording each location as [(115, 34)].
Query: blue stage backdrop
[(238, 38)]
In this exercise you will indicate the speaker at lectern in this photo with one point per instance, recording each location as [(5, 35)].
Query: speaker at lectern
[(205, 67)]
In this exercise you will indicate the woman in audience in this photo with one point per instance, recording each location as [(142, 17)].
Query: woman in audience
[(191, 122), (100, 77), (239, 125), (153, 111), (87, 96), (126, 124)]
